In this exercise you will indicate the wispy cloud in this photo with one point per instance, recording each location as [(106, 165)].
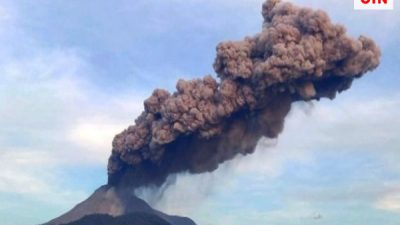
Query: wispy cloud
[(52, 118), (389, 202), (313, 135)]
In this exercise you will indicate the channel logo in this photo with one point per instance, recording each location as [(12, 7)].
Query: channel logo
[(373, 4)]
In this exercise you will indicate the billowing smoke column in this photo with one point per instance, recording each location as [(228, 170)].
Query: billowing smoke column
[(298, 56)]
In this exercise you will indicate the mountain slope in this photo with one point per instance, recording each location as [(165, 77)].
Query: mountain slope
[(113, 201), (129, 219)]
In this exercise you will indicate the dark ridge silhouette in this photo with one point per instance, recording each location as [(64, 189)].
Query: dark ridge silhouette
[(138, 218), (115, 202)]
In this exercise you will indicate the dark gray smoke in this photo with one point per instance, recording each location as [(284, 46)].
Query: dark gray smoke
[(298, 56)]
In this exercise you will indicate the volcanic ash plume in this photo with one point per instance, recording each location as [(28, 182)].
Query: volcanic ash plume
[(298, 56)]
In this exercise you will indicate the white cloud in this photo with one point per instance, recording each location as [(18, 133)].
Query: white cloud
[(32, 174), (350, 124), (53, 118), (389, 202), (35, 91), (47, 98), (96, 135), (18, 174)]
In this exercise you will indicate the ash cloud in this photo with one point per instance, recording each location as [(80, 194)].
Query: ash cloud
[(299, 55)]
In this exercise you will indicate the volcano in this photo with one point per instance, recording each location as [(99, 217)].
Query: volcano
[(120, 204)]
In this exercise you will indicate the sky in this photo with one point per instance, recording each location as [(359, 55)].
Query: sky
[(74, 73)]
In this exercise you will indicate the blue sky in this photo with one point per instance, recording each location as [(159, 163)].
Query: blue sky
[(74, 73)]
